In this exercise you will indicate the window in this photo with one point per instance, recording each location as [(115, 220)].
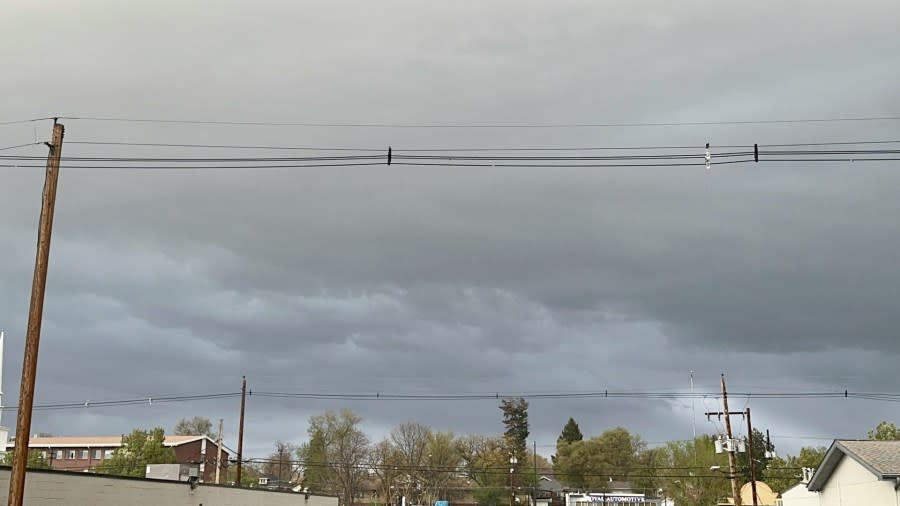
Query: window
[(59, 454), (98, 454), (108, 454), (44, 455), (84, 454), (71, 455)]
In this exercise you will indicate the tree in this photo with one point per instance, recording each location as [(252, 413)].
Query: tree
[(885, 432), (138, 449), (250, 473), (317, 476), (481, 456), (441, 463), (515, 419), (593, 462), (36, 460), (759, 457), (699, 488), (783, 473), (411, 441), (570, 432), (196, 426), (280, 464), (386, 461), (346, 450)]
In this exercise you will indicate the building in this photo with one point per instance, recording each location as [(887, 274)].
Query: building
[(857, 472), (619, 493), (764, 495), (83, 453)]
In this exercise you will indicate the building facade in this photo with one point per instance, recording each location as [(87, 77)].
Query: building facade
[(84, 453), (856, 472)]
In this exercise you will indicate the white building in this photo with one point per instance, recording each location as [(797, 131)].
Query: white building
[(854, 473)]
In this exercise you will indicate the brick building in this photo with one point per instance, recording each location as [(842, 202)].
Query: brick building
[(83, 453)]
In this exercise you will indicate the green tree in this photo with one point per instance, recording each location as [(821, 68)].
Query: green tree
[(481, 456), (196, 426), (138, 449), (489, 496), (515, 419), (591, 463), (317, 475), (759, 457), (36, 460), (250, 473), (571, 432), (783, 473), (346, 451), (885, 431), (695, 485)]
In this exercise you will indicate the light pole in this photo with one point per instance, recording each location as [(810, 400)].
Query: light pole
[(512, 469)]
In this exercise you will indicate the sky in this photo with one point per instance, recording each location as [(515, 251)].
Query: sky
[(455, 280)]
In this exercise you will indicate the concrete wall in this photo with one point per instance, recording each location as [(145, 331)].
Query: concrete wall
[(853, 485), (46, 488)]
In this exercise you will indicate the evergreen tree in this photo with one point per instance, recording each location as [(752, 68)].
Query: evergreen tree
[(515, 419), (570, 432)]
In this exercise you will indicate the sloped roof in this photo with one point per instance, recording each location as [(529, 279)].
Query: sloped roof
[(881, 458), (98, 441)]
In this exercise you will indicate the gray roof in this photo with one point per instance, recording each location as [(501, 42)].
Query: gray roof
[(881, 458)]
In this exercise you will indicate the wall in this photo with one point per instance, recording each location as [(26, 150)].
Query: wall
[(851, 484), (189, 453), (54, 488), (798, 495)]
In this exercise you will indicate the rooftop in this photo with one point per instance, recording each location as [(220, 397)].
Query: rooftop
[(881, 458), (96, 441)]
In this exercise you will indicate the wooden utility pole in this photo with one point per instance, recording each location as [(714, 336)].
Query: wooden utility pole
[(240, 454), (219, 452), (35, 317), (750, 457), (735, 489)]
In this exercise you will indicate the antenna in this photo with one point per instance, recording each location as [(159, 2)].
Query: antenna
[(1, 378), (693, 409)]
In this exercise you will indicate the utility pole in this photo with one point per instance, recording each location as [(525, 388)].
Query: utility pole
[(219, 451), (240, 454), (35, 318), (735, 490), (534, 477), (750, 456)]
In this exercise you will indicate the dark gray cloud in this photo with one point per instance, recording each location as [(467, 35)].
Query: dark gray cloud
[(456, 280)]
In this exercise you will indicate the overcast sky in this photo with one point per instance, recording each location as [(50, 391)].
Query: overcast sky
[(455, 280)]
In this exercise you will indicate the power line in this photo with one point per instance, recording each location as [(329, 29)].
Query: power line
[(408, 150), (22, 121), (21, 146), (488, 125)]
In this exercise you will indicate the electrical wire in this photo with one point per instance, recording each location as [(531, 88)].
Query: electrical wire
[(20, 146), (474, 126)]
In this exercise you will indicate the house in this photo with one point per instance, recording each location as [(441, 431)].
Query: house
[(858, 472), (83, 453)]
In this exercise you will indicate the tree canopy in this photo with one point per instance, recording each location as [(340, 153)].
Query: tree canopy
[(138, 449), (885, 431), (196, 426)]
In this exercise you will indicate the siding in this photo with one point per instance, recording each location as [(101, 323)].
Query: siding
[(853, 485)]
